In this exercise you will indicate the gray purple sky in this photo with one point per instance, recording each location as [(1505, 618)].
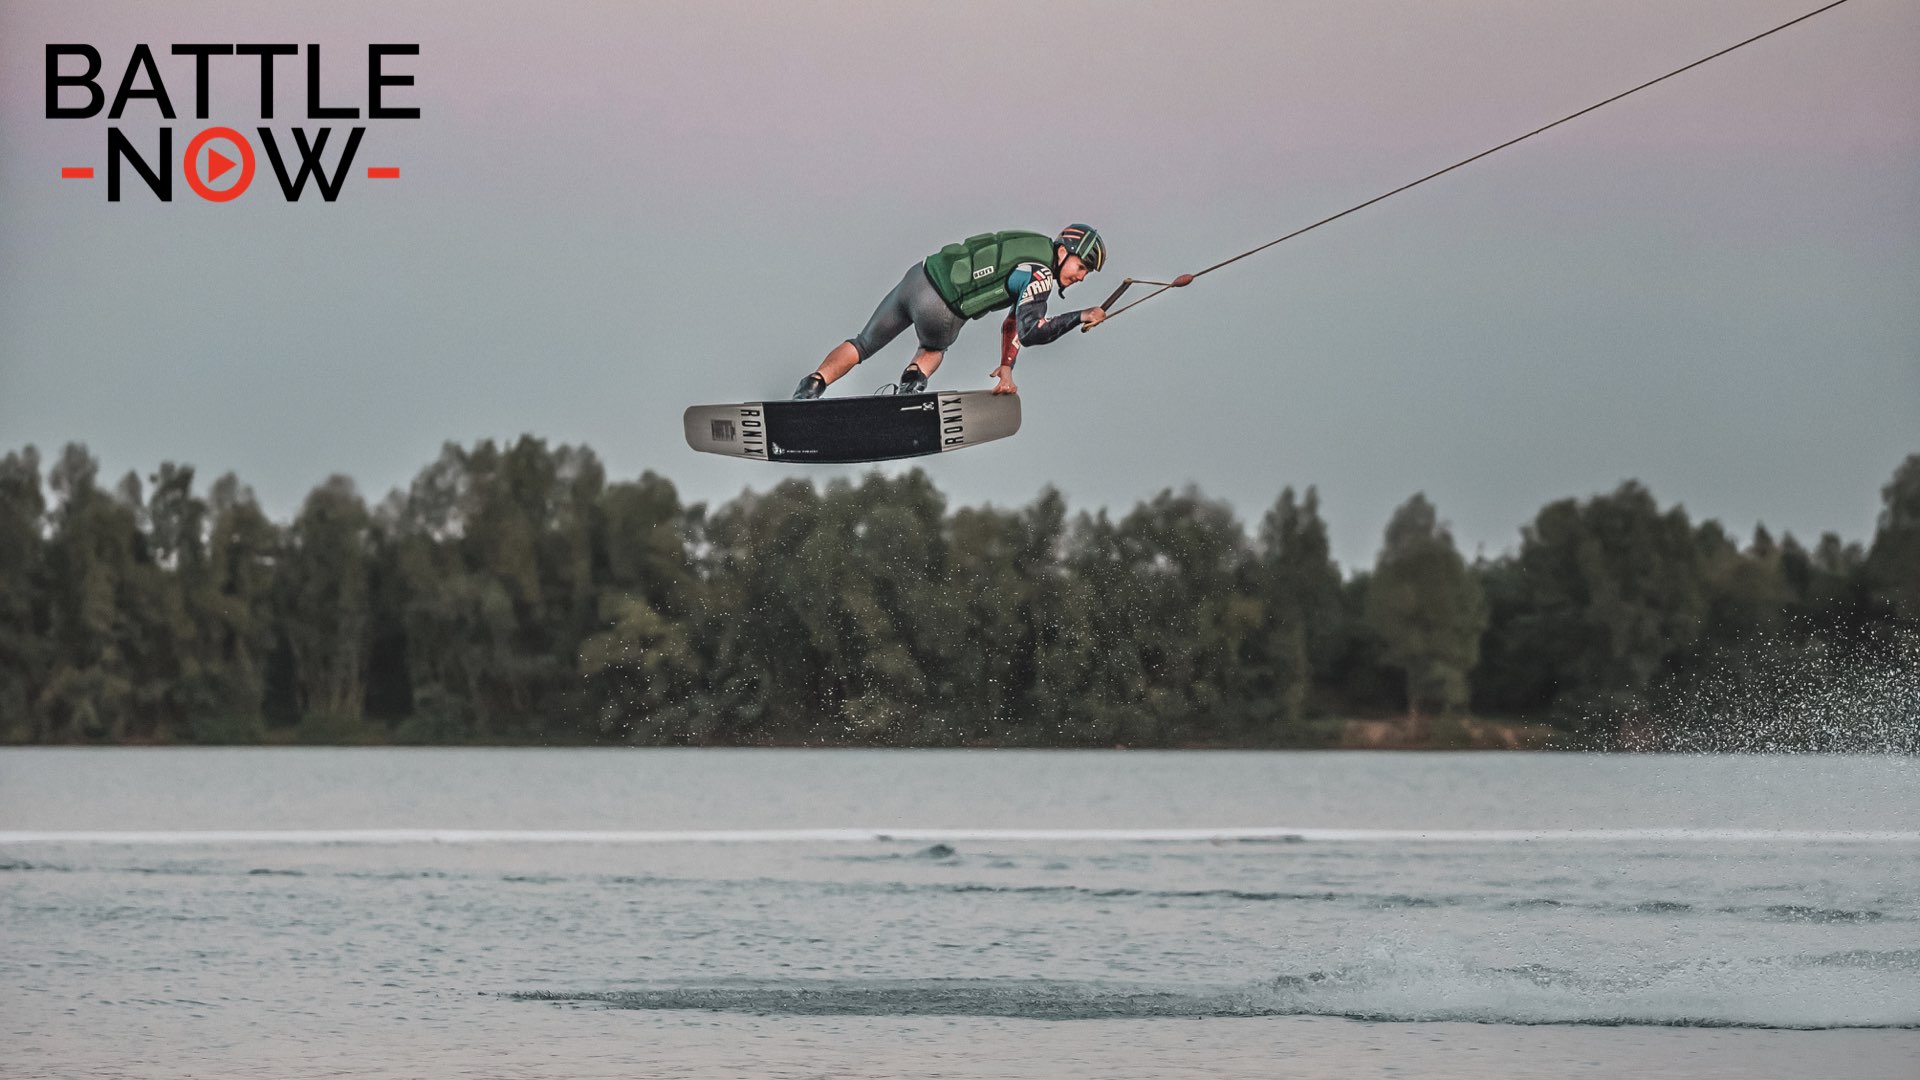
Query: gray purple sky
[(610, 211)]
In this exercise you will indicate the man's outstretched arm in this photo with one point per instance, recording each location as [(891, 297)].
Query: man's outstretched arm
[(1035, 326)]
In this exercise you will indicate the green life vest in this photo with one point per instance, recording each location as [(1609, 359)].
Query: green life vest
[(971, 276)]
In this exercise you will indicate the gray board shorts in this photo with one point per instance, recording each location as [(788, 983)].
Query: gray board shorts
[(914, 302)]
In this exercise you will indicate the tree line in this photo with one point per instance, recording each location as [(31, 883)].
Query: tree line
[(513, 593)]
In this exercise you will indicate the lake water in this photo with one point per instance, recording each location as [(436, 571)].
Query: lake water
[(718, 913)]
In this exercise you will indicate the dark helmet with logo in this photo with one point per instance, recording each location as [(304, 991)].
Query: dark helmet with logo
[(1084, 241)]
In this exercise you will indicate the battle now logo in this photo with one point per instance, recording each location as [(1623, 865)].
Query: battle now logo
[(219, 153)]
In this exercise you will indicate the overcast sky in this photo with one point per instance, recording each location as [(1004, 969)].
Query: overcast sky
[(610, 211)]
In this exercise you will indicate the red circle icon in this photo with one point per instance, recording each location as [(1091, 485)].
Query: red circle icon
[(218, 164)]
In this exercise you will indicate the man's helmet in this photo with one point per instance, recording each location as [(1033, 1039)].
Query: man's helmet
[(1084, 241)]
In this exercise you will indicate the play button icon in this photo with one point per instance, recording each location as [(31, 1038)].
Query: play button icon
[(218, 164)]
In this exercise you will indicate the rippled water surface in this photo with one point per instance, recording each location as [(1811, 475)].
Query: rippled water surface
[(288, 913)]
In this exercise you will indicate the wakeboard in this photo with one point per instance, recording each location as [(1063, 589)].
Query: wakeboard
[(881, 427)]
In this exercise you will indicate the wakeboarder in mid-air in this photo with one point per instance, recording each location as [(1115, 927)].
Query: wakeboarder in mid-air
[(967, 280)]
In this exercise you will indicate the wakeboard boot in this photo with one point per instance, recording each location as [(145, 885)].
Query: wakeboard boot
[(912, 381), (810, 387)]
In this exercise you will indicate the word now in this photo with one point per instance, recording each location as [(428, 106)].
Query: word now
[(160, 179)]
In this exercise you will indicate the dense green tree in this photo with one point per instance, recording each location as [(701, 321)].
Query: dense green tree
[(1893, 563), (446, 617), (513, 593), (324, 607), (1361, 676), (979, 646), (25, 651), (1024, 646), (488, 582), (639, 661), (763, 671), (1428, 610), (90, 688), (858, 581), (1169, 619), (1519, 672), (1602, 597), (232, 604), (638, 669), (643, 537), (1747, 593), (1304, 624), (1827, 584), (170, 630)]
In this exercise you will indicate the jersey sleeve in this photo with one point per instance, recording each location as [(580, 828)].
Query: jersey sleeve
[(1033, 325)]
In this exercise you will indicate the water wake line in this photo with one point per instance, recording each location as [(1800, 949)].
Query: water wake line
[(1385, 991), (1249, 835)]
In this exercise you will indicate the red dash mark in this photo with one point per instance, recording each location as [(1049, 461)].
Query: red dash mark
[(384, 172), (77, 172)]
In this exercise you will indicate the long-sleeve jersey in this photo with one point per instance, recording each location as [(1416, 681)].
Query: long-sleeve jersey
[(1033, 284)]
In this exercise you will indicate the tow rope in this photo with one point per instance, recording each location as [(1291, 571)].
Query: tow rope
[(1187, 279)]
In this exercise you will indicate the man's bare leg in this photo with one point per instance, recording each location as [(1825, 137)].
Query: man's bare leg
[(928, 361), (844, 356), (838, 362), (913, 377)]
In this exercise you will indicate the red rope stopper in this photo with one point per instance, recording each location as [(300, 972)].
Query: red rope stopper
[(1183, 279)]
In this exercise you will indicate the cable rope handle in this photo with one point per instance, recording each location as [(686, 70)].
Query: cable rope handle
[(1177, 283), (1185, 279)]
